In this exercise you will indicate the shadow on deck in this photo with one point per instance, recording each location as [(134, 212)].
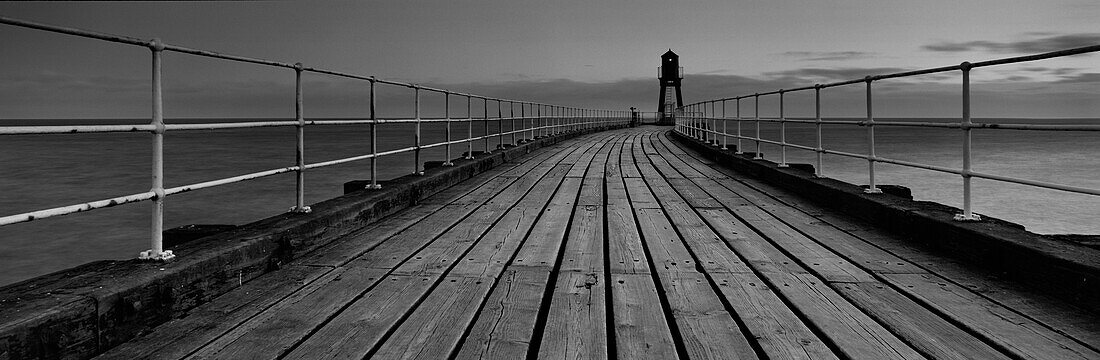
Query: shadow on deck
[(623, 244)]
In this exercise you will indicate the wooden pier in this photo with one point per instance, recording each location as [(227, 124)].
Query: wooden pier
[(623, 244)]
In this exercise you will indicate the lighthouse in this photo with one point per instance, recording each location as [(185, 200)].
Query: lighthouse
[(669, 73)]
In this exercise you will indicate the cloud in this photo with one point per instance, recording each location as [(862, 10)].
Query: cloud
[(331, 98), (1039, 43), (1084, 78), (810, 76), (828, 55)]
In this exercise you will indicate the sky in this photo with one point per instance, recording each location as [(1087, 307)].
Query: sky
[(601, 54)]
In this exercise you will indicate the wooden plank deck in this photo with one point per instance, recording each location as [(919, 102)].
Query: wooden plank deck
[(623, 244)]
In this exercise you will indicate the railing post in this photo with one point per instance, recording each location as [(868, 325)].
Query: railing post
[(416, 134), (693, 121), (373, 140), (558, 119), (300, 206), (782, 134), (713, 125), (701, 110), (469, 129), (704, 131), (756, 115), (447, 115), (526, 125), (485, 123), (690, 121), (871, 188), (559, 115), (725, 126), (512, 114), (574, 119), (738, 150), (156, 250), (817, 122), (968, 214), (704, 122), (500, 126), (700, 119)]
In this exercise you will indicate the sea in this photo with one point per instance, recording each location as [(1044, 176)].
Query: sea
[(45, 171)]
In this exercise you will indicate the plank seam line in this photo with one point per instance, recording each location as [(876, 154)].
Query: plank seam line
[(821, 334), (477, 314), (345, 262), (442, 276), (388, 273), (881, 279), (662, 297), (548, 294), (742, 327), (968, 329)]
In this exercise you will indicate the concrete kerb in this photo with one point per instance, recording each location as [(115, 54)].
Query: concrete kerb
[(83, 311), (1067, 270)]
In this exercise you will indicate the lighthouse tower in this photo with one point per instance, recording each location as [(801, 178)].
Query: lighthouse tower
[(669, 73)]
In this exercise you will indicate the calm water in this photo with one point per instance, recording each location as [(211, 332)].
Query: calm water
[(43, 171)]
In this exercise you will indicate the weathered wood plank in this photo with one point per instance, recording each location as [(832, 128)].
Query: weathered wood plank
[(490, 211), (693, 194), (342, 251), (489, 256), (665, 246), (578, 171), (1004, 327), (640, 328), (505, 325), (445, 250), (821, 260), (666, 169), (720, 193), (924, 330), (357, 329), (625, 252), (584, 251), (442, 253), (640, 196), (544, 242), (827, 264), (780, 333), (280, 327), (177, 338), (612, 166), (576, 325), (854, 249), (854, 333), (391, 253), (885, 257), (749, 245), (434, 328), (394, 250), (706, 329), (626, 159), (707, 247), (666, 146)]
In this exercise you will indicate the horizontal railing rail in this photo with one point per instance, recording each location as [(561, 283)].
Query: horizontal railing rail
[(532, 120), (700, 120)]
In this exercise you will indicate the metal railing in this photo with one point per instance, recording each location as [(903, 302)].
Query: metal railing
[(700, 121), (535, 120)]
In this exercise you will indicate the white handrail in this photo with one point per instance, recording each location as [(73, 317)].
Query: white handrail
[(558, 120), (693, 118)]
